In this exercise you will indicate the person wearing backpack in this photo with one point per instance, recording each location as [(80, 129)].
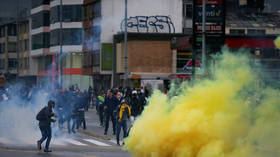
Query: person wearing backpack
[(45, 118)]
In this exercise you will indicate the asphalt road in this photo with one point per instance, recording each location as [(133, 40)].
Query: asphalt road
[(92, 153), (85, 143)]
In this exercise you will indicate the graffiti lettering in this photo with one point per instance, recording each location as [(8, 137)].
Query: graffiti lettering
[(149, 24)]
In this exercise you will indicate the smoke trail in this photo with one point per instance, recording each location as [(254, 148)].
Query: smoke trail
[(18, 111), (277, 42), (231, 114)]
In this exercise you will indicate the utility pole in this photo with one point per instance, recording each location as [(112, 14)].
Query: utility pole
[(203, 37), (193, 40), (125, 81), (17, 44), (60, 52)]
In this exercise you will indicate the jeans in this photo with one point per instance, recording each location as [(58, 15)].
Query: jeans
[(46, 134), (110, 115), (74, 123), (120, 125)]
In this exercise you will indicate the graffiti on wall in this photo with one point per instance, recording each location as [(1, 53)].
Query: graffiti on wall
[(149, 24)]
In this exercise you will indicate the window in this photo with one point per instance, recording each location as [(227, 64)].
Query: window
[(96, 9), (26, 45), (55, 37), (26, 63), (2, 31), (2, 63), (69, 36), (187, 10), (71, 13), (12, 63), (12, 29), (72, 36), (237, 32), (41, 40), (2, 47), (40, 19), (183, 57), (12, 47), (256, 32), (55, 14), (44, 63)]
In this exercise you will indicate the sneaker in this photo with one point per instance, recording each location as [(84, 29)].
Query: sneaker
[(73, 131), (47, 150), (105, 133), (118, 143), (39, 145)]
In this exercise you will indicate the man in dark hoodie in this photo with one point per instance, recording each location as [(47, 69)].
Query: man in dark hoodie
[(45, 118), (110, 105)]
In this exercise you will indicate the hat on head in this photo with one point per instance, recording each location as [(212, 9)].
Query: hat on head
[(123, 101), (50, 102)]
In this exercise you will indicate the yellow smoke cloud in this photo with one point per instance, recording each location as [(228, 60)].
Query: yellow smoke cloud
[(229, 115), (277, 42)]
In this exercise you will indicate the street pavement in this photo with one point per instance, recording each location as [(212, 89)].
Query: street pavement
[(85, 143)]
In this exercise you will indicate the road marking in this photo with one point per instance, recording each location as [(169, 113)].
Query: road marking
[(115, 142), (75, 142), (96, 142)]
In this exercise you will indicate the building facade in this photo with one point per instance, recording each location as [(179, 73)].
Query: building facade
[(8, 50), (56, 32), (40, 40), (27, 71), (66, 41), (104, 20)]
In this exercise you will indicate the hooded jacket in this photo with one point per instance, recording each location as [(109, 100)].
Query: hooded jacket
[(45, 116)]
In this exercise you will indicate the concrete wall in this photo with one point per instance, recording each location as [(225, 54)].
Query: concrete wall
[(113, 15)]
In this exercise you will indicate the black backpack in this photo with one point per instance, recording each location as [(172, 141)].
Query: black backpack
[(41, 115)]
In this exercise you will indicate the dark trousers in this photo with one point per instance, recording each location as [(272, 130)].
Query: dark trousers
[(46, 132), (101, 114), (122, 125), (110, 115), (81, 119)]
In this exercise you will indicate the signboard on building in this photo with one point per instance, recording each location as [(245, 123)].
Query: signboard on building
[(215, 23), (106, 56), (210, 28), (214, 14), (210, 2)]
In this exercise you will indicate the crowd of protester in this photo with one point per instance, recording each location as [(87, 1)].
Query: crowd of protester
[(117, 105)]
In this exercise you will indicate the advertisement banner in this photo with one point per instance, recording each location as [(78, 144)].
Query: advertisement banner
[(214, 14), (106, 56)]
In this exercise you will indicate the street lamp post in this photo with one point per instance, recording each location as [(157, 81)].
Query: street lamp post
[(125, 81), (60, 42), (203, 36)]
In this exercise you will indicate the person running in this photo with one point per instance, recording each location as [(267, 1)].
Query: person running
[(123, 115), (45, 118)]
